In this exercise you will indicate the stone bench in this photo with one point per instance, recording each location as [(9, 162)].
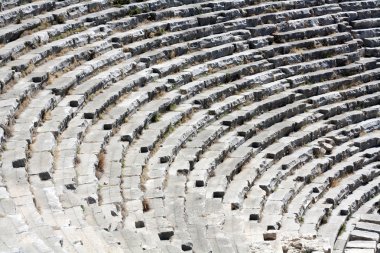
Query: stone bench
[(286, 167), (320, 18), (317, 76), (180, 62), (270, 134), (327, 86), (267, 119), (343, 107), (86, 69), (371, 43), (362, 246), (358, 197), (352, 203), (117, 119), (41, 53), (307, 173), (367, 13), (230, 166), (203, 42), (206, 136), (179, 49), (214, 155), (211, 95), (333, 226), (51, 39), (366, 23), (297, 69), (103, 80), (40, 75), (60, 12), (307, 55), (104, 100), (367, 33), (347, 118), (169, 38), (347, 186), (353, 6), (10, 16), (305, 33), (299, 45)]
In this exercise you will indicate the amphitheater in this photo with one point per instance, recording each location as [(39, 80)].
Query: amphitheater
[(190, 126)]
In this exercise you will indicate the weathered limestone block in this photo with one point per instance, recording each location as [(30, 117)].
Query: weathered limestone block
[(364, 235)]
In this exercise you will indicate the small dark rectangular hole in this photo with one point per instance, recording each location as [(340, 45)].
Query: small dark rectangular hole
[(254, 216), (255, 145), (139, 224), (107, 126), (89, 115), (44, 176), (165, 236), (164, 159), (74, 103), (235, 206), (269, 236), (218, 194), (199, 183), (144, 149), (70, 187)]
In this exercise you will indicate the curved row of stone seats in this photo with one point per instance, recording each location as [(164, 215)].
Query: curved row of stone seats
[(338, 215), (43, 21), (48, 69), (66, 81), (306, 177), (155, 40), (226, 89), (231, 58), (40, 35), (365, 26), (266, 106), (338, 191), (365, 215), (130, 35), (192, 9), (23, 89), (145, 32), (92, 143), (69, 105), (310, 171), (28, 10), (350, 208), (277, 157), (320, 110), (366, 211), (153, 88), (17, 178)]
